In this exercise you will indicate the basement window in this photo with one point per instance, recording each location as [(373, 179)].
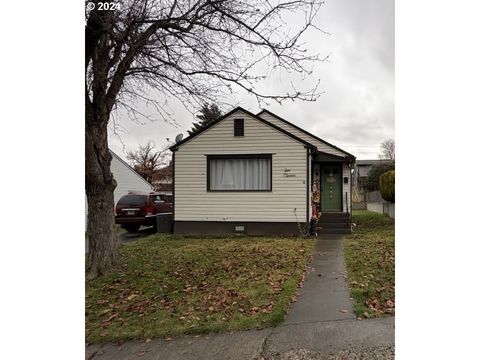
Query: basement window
[(238, 127)]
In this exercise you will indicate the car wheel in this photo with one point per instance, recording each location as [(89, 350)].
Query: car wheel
[(132, 228)]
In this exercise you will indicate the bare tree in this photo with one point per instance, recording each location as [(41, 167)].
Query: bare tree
[(147, 161), (388, 150), (190, 50)]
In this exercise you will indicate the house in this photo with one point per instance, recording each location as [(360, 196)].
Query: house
[(127, 180), (363, 167), (255, 173), (162, 179), (360, 175)]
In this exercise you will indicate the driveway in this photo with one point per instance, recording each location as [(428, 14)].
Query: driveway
[(126, 238)]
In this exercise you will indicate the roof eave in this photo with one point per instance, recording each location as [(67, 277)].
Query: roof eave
[(238, 108), (306, 132)]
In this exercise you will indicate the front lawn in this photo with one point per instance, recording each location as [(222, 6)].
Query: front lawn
[(370, 260), (166, 286)]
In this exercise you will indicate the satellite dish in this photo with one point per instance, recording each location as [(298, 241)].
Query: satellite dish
[(178, 138)]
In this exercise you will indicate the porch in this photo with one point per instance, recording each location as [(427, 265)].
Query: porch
[(330, 200)]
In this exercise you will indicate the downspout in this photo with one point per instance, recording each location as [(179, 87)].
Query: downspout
[(351, 188), (308, 185), (173, 191)]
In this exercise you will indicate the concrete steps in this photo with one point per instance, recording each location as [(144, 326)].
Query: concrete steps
[(334, 223)]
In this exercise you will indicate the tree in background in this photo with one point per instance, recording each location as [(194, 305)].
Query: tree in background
[(208, 114), (192, 51), (147, 161), (373, 179), (388, 150)]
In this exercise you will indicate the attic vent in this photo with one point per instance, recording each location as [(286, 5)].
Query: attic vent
[(238, 128)]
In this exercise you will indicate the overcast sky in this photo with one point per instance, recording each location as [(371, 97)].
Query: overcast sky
[(356, 112)]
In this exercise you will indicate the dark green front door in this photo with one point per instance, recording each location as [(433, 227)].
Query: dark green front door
[(331, 188)]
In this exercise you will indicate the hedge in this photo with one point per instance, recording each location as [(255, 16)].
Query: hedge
[(387, 186)]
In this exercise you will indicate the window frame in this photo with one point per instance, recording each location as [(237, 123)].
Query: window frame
[(239, 156)]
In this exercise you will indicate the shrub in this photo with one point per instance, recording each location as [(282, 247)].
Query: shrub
[(387, 186), (372, 183)]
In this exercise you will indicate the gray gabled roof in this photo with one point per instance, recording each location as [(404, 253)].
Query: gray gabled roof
[(306, 132)]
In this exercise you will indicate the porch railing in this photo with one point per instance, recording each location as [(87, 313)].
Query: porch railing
[(346, 202)]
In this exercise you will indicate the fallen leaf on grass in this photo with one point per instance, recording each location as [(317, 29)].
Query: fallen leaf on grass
[(373, 304), (106, 311), (133, 296), (110, 318)]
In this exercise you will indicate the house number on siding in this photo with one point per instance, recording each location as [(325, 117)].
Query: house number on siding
[(287, 173)]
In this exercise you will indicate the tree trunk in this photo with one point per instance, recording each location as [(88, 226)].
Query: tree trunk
[(99, 187)]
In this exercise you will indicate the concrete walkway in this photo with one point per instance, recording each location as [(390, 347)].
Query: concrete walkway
[(322, 320), (324, 295)]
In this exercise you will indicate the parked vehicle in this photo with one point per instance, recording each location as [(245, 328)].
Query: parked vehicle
[(136, 209)]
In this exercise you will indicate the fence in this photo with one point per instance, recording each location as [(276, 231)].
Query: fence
[(361, 205), (377, 204), (374, 196)]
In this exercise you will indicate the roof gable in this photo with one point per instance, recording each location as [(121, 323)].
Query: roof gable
[(313, 137), (256, 117), (130, 168)]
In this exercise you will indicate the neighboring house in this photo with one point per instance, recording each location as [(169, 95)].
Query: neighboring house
[(360, 175), (253, 173), (363, 167), (127, 180), (162, 179)]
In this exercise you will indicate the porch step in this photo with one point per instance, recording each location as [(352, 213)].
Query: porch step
[(334, 225), (323, 220), (334, 231), (334, 217)]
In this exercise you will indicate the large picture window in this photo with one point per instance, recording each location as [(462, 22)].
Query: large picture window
[(239, 173)]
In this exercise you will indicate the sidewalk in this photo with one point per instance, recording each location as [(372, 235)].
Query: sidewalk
[(235, 346), (324, 295), (323, 337)]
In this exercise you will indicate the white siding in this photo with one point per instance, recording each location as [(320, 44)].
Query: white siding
[(319, 144), (194, 203), (321, 147), (347, 199), (127, 179)]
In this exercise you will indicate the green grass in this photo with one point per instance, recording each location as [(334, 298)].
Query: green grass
[(370, 260), (167, 286)]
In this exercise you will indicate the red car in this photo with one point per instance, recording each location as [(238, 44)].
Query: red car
[(136, 209)]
